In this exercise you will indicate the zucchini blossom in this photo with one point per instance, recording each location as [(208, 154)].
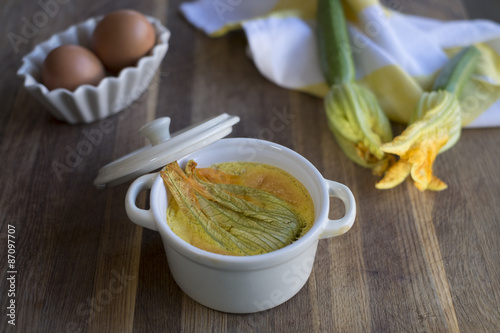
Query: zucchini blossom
[(434, 127)]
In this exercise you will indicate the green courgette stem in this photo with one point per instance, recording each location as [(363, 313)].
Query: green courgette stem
[(457, 71), (334, 46)]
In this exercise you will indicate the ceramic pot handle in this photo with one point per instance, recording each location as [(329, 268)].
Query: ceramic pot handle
[(142, 217), (338, 227)]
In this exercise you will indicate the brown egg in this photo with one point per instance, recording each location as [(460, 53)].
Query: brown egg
[(121, 38), (70, 66)]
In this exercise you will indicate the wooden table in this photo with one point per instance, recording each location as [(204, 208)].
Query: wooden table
[(413, 262)]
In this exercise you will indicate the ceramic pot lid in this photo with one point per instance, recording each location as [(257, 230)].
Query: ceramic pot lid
[(164, 148)]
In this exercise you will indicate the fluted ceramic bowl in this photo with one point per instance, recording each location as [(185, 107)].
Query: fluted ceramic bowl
[(89, 103), (244, 284)]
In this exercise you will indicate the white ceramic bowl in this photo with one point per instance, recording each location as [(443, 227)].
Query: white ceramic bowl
[(253, 283), (88, 103)]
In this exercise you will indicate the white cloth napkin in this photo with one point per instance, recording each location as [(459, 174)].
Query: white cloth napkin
[(397, 56)]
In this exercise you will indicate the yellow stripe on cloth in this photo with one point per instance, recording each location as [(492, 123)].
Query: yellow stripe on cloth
[(227, 28), (397, 92), (357, 6), (318, 89), (306, 9), (283, 8)]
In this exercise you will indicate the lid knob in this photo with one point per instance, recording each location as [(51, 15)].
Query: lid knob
[(157, 131)]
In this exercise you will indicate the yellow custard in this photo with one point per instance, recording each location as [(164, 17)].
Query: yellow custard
[(252, 195)]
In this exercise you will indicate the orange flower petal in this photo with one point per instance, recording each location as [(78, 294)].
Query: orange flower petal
[(395, 175)]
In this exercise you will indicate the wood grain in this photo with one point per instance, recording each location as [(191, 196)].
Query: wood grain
[(413, 262)]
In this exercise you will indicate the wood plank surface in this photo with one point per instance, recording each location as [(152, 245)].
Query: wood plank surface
[(413, 262)]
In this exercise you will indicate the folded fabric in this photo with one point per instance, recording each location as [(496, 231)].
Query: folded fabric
[(397, 56)]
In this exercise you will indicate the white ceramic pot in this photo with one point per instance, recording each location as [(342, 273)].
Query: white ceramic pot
[(252, 283)]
